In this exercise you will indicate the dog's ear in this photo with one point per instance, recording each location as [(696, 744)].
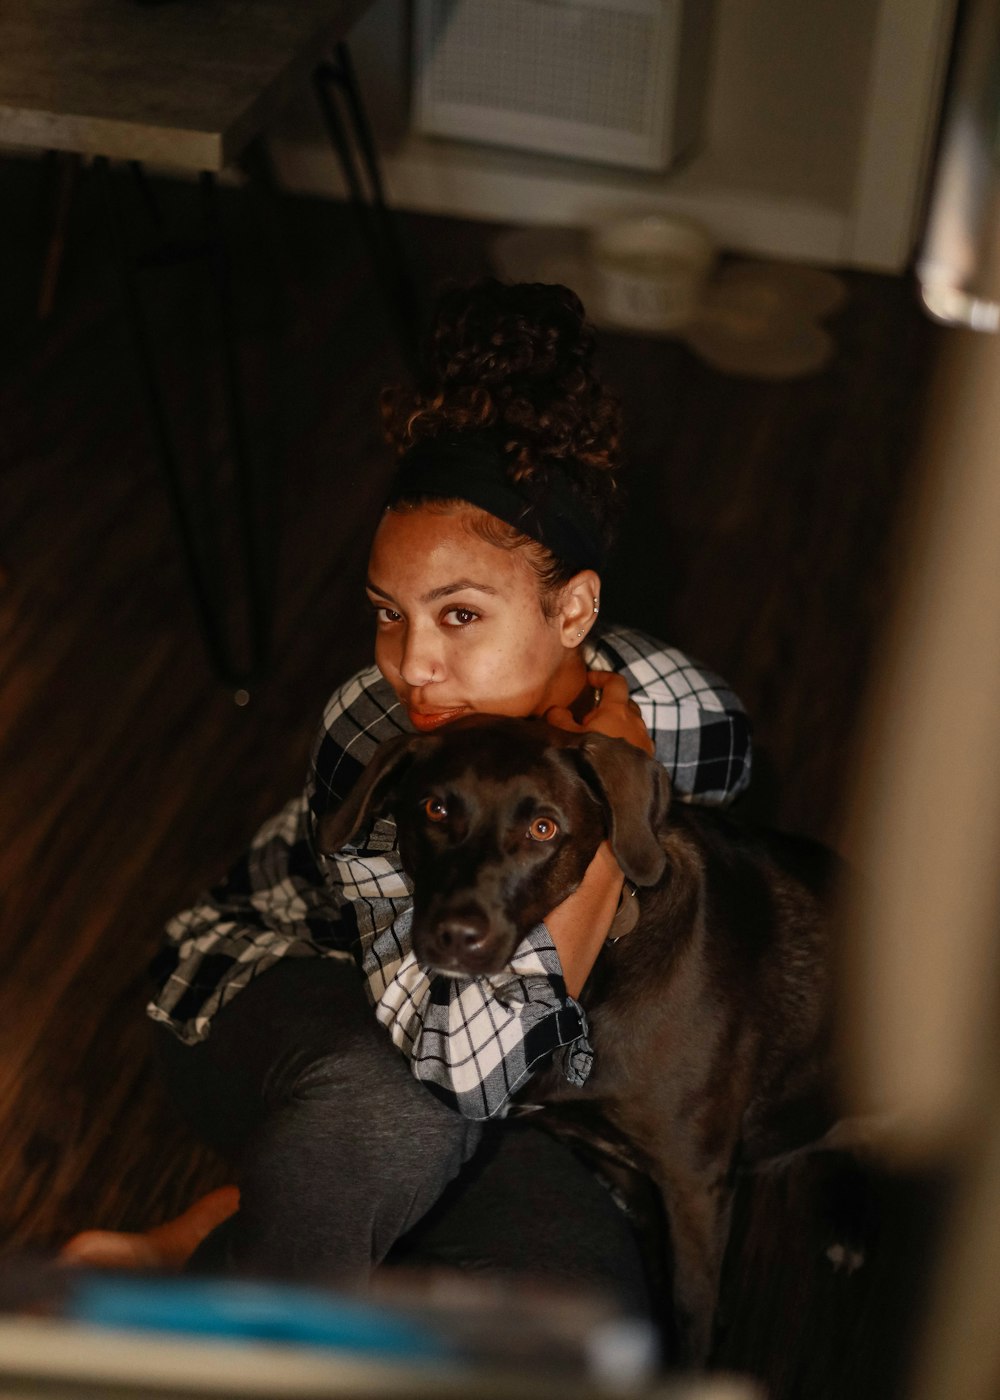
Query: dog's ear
[(368, 794), (635, 793)]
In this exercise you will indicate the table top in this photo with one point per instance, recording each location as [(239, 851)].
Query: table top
[(182, 83)]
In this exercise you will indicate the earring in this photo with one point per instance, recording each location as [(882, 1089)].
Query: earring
[(596, 606), (579, 635)]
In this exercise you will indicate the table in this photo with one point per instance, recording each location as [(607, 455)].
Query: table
[(186, 83), (189, 85)]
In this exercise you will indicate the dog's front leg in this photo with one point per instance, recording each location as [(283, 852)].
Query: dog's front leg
[(698, 1207)]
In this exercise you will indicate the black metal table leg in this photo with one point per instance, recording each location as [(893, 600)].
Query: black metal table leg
[(203, 558), (336, 78), (68, 170), (247, 494)]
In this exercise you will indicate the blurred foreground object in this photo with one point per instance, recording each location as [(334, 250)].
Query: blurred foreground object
[(925, 913), (68, 1334), (959, 267), (923, 918)]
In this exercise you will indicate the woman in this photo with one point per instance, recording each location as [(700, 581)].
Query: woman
[(362, 1137)]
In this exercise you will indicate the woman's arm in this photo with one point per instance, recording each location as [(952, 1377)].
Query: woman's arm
[(580, 924)]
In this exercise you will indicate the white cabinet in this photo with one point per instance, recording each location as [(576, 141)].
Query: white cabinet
[(820, 119)]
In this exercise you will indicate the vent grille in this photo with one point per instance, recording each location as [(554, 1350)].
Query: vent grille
[(618, 82), (577, 63)]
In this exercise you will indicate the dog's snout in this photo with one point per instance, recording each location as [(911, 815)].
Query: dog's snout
[(462, 933), (461, 940)]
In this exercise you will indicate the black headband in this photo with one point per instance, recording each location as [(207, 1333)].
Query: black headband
[(474, 467)]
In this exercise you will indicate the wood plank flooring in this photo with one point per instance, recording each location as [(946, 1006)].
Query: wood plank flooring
[(761, 537)]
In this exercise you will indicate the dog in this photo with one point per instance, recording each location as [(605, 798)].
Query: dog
[(709, 1017)]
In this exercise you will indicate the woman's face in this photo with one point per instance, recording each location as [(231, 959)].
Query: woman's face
[(460, 623)]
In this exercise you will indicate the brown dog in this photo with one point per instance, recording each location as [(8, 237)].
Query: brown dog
[(709, 1020)]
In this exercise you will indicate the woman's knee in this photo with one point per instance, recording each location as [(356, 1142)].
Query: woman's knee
[(364, 1093), (350, 1156)]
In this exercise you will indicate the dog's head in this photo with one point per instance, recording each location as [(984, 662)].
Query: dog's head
[(498, 820)]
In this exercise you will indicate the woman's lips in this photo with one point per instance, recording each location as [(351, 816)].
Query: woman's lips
[(433, 719)]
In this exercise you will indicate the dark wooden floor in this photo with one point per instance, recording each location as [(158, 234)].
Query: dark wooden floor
[(760, 538)]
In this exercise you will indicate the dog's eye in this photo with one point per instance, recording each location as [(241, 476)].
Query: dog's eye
[(542, 829), (434, 809)]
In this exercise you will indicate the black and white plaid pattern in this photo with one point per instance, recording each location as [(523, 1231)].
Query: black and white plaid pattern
[(474, 1041)]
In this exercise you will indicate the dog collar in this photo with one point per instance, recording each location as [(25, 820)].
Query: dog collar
[(626, 915)]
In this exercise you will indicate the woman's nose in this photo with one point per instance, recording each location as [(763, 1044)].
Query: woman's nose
[(421, 661)]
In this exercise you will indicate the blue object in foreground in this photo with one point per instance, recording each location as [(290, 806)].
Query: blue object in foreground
[(238, 1310)]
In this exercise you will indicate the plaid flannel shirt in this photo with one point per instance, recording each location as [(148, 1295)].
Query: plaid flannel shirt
[(473, 1041)]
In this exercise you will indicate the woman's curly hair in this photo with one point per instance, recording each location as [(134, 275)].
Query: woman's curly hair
[(519, 359)]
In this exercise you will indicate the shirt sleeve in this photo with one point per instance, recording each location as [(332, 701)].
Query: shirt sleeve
[(278, 900), (700, 729), (272, 904)]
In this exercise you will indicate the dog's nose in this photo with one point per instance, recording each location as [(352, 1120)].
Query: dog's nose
[(462, 933)]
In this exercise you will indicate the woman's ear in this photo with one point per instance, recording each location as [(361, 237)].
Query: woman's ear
[(579, 603)]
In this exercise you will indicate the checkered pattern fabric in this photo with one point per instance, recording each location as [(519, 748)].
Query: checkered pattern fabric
[(473, 1041)]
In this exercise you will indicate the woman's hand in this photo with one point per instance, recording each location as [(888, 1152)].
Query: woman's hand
[(614, 713)]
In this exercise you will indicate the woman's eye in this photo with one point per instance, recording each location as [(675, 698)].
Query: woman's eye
[(460, 617), (542, 829), (387, 615), (434, 809)]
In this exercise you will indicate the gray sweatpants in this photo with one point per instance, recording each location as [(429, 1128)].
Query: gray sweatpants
[(345, 1161)]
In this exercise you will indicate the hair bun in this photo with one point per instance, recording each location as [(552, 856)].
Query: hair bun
[(528, 338), (518, 358)]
